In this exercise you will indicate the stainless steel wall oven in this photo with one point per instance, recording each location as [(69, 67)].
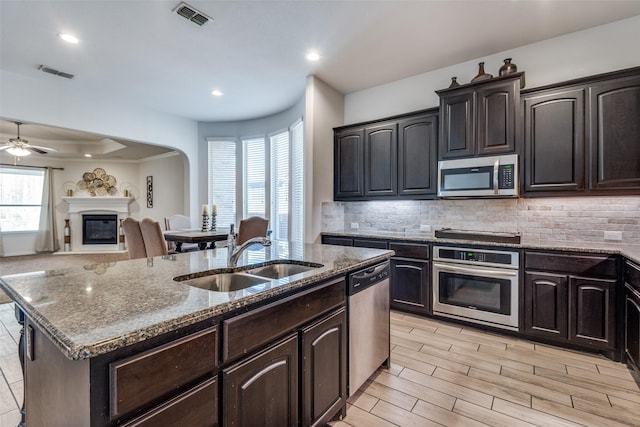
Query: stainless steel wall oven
[(477, 285)]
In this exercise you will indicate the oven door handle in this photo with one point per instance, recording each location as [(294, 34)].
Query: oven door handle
[(476, 271)]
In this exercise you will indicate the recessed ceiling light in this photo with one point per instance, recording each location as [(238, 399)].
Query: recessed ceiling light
[(69, 38), (313, 56), (87, 155), (216, 92)]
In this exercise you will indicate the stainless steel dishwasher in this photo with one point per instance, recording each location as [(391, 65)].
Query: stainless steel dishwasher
[(368, 300)]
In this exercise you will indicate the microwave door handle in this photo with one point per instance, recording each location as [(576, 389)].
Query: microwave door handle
[(496, 168), (476, 271)]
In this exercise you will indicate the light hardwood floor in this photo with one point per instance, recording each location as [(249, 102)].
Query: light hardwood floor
[(446, 375)]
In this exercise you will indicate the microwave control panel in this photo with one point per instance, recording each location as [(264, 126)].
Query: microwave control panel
[(505, 176)]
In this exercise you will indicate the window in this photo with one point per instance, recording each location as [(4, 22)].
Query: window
[(254, 178), (271, 180), (222, 180), (20, 198)]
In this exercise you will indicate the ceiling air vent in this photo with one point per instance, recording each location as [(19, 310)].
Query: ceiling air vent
[(55, 72), (191, 14)]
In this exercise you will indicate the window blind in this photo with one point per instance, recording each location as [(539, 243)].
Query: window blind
[(254, 177), (296, 230), (20, 198), (222, 180), (280, 185)]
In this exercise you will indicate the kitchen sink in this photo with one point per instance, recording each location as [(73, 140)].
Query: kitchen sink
[(282, 269), (225, 282)]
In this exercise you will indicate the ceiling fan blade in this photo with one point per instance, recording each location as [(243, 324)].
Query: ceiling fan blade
[(5, 147), (40, 147), (35, 150)]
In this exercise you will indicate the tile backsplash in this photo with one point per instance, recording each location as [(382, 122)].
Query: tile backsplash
[(577, 219)]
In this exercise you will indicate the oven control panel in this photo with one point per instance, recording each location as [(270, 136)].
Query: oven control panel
[(476, 256)]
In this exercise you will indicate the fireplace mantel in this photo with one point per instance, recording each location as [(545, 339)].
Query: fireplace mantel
[(112, 204), (94, 205)]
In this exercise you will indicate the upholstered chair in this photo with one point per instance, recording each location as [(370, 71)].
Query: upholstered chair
[(251, 227), (153, 238), (134, 239)]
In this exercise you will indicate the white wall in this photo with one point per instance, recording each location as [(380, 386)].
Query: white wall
[(597, 50), (325, 110), (57, 102), (168, 187)]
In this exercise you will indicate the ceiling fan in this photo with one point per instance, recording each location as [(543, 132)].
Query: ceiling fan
[(20, 147)]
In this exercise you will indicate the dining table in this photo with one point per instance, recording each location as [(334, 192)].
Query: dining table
[(202, 238)]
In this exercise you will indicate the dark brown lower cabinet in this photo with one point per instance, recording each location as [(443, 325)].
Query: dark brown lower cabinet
[(632, 328), (262, 390), (545, 301), (410, 290), (324, 373), (592, 312), (572, 299)]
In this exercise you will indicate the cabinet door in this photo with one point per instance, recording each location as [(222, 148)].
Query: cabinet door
[(380, 165), (457, 125), (348, 156), (339, 241), (410, 289), (324, 369), (263, 389), (554, 141), (545, 305), (496, 117), (417, 162), (632, 327), (615, 134), (591, 312)]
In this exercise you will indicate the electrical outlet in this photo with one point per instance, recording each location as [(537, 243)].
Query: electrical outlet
[(354, 225), (613, 235), (425, 227)]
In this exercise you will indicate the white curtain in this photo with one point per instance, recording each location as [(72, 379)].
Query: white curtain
[(47, 239)]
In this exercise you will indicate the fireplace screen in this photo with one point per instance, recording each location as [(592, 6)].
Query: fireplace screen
[(99, 229)]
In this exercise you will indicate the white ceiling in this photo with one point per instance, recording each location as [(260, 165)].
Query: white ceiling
[(143, 53)]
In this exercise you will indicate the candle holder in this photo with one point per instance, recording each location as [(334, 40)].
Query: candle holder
[(212, 225), (205, 221)]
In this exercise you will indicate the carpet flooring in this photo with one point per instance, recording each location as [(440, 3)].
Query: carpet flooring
[(27, 263)]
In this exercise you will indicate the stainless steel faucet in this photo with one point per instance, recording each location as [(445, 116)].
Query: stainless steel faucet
[(234, 252)]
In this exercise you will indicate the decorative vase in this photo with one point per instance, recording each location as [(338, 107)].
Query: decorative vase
[(454, 82), (121, 236), (67, 236), (481, 74), (507, 68)]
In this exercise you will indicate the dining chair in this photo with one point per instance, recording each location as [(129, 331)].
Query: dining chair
[(153, 238), (134, 239), (179, 222), (251, 227)]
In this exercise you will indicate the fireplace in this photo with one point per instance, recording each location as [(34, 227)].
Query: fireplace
[(99, 229), (105, 235)]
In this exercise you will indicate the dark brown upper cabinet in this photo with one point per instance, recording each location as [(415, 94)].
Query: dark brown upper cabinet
[(480, 119), (394, 158), (582, 137), (348, 162), (417, 158), (614, 137), (554, 137), (380, 160)]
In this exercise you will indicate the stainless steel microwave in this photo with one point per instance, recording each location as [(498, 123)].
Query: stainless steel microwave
[(492, 176)]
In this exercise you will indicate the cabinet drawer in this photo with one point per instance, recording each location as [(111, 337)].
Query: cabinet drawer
[(370, 243), (584, 265), (153, 375), (632, 275), (340, 241), (410, 250), (249, 331), (195, 407)]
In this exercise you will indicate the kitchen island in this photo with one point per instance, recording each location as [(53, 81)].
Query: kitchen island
[(132, 346)]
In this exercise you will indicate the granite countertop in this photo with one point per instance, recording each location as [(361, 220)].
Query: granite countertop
[(631, 252), (89, 311)]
